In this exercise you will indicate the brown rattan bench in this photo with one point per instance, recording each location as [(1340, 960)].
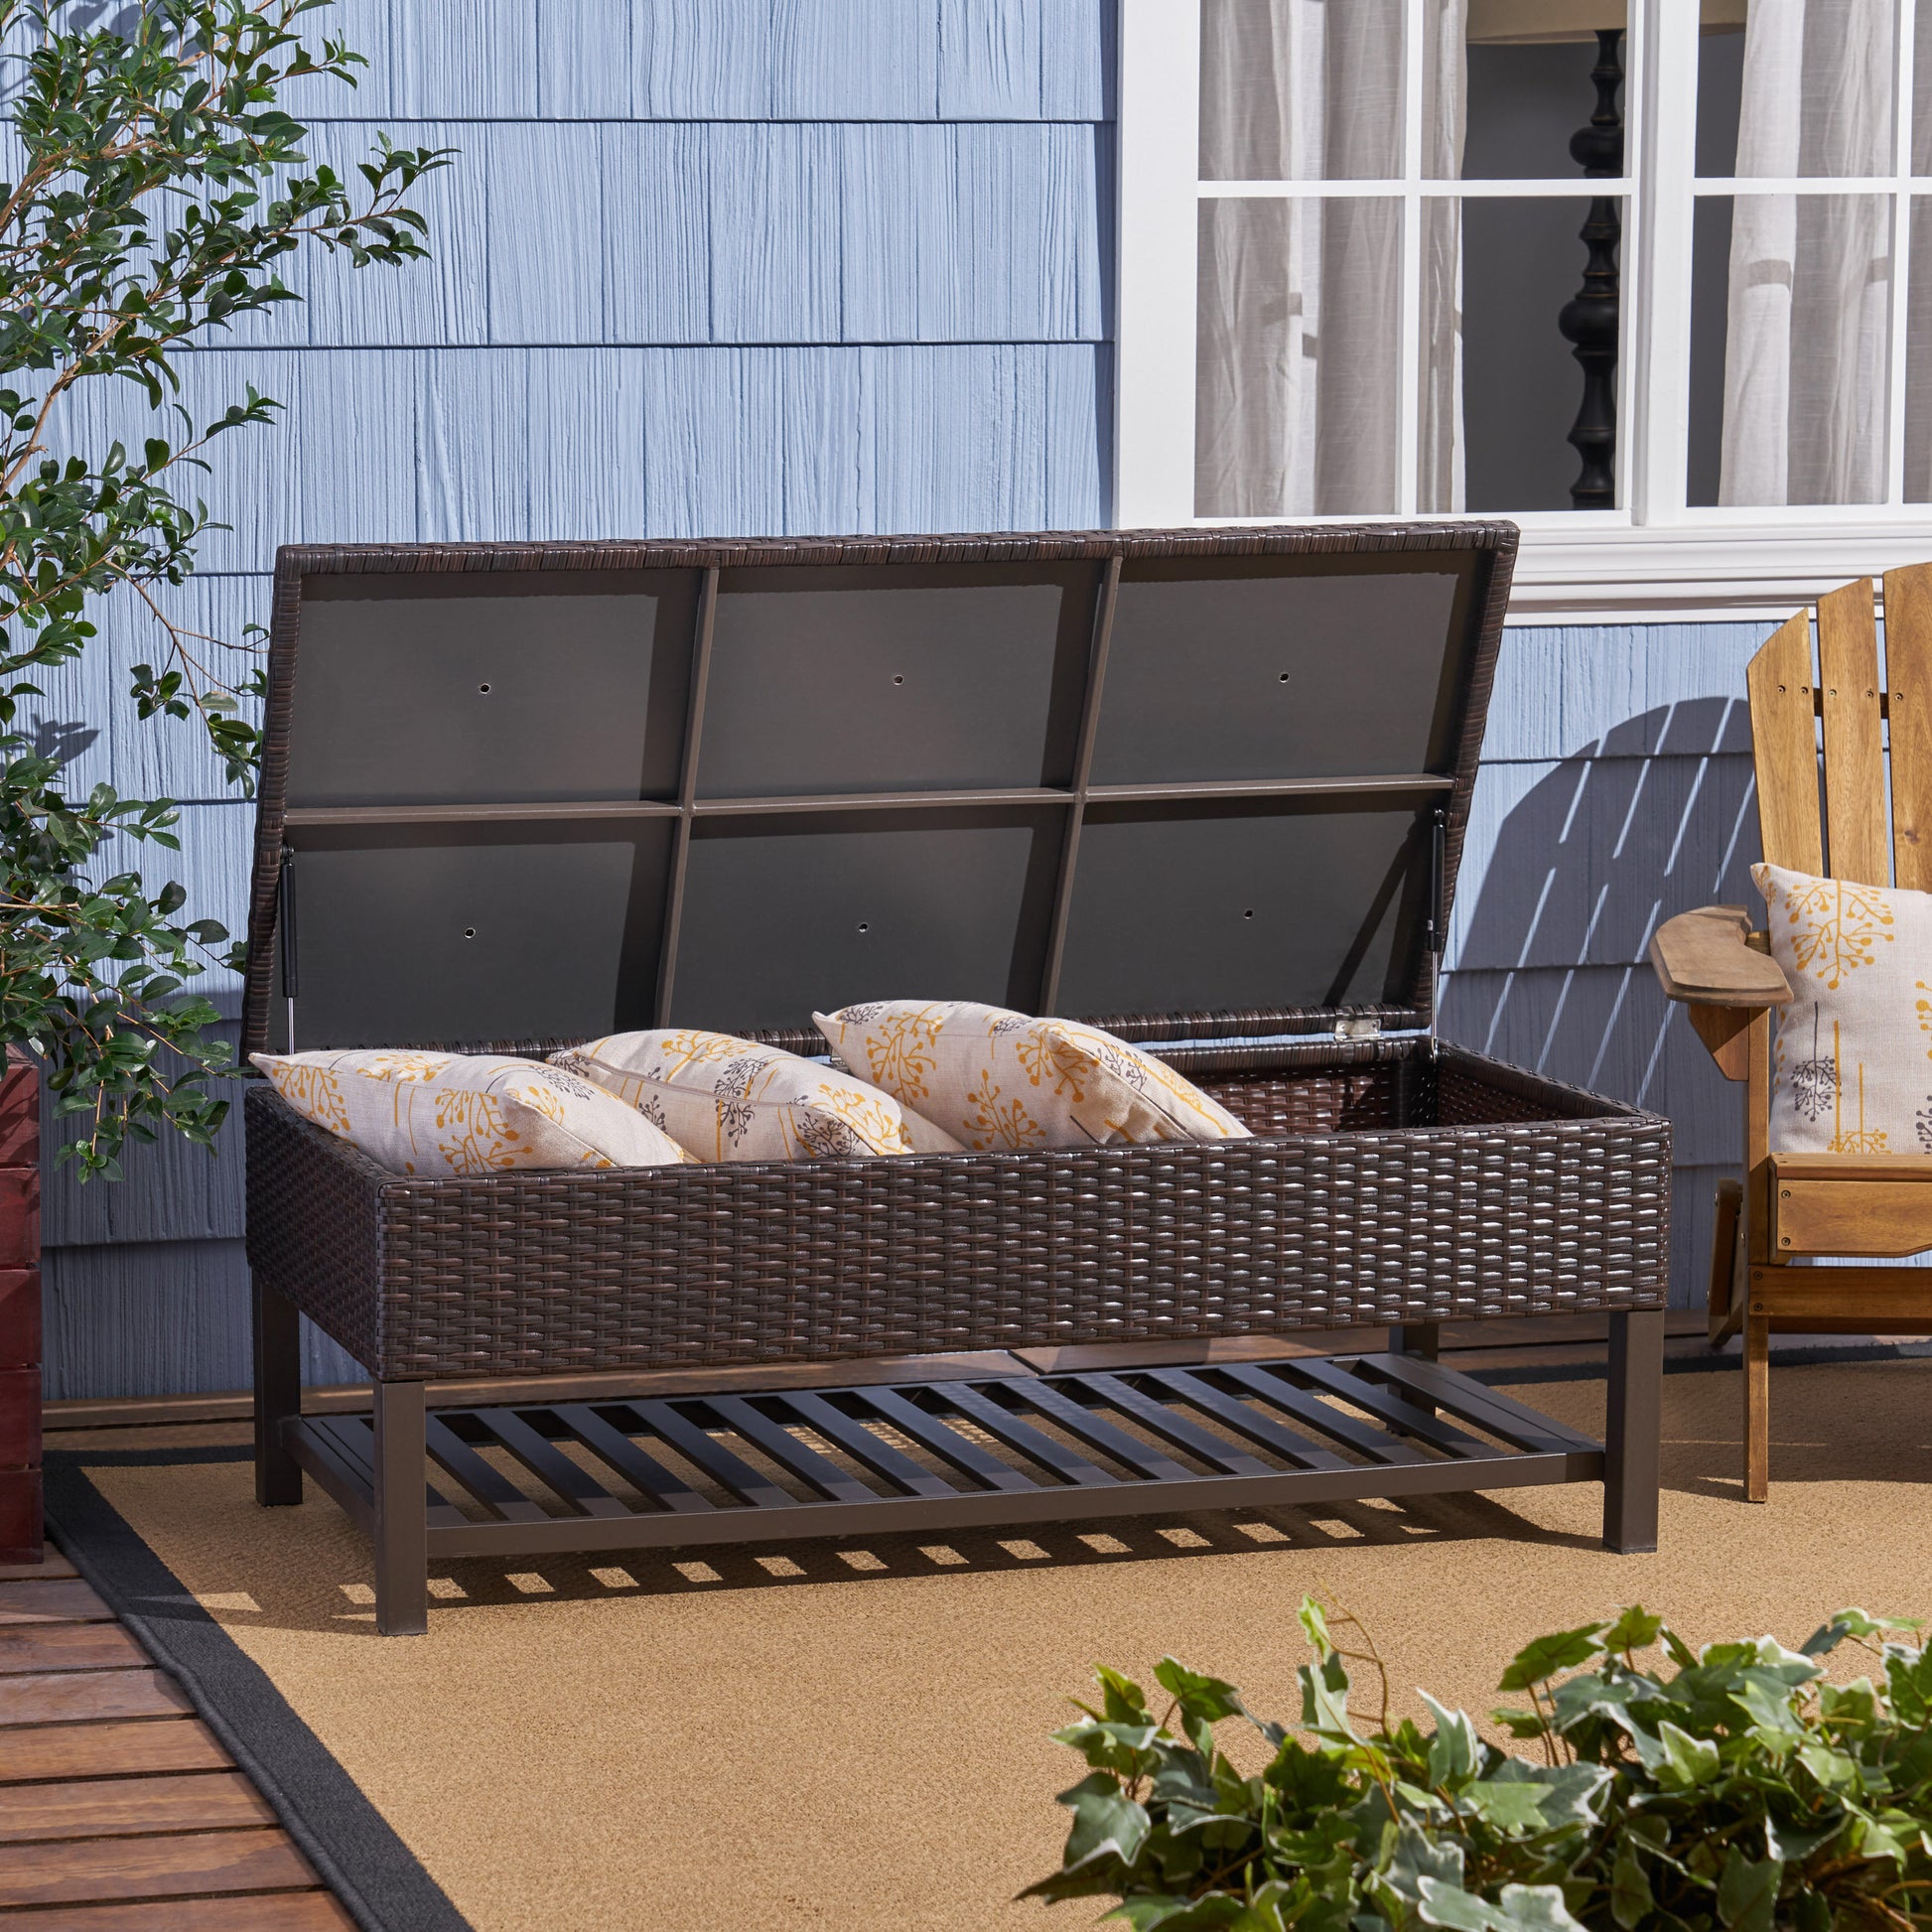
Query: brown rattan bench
[(676, 786)]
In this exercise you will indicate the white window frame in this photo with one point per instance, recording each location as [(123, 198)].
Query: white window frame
[(1656, 558)]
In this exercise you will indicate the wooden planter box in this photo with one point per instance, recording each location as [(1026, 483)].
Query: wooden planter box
[(1206, 788), (20, 1312)]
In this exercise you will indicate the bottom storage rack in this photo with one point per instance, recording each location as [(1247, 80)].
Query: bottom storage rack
[(696, 1469)]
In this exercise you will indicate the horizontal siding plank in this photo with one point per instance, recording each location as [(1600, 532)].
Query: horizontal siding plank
[(732, 60), (665, 233), (774, 223), (396, 446), (989, 61), (162, 1317), (1621, 690), (1577, 861), (1607, 1028)]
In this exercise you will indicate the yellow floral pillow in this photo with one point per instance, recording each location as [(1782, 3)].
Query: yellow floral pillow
[(1852, 1069), (1000, 1079), (459, 1114), (732, 1099)]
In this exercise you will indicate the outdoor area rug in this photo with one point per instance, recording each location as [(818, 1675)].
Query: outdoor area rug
[(854, 1737)]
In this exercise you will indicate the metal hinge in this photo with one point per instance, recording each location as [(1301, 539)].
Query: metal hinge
[(1363, 1026)]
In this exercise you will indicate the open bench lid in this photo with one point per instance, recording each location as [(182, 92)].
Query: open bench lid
[(1194, 783)]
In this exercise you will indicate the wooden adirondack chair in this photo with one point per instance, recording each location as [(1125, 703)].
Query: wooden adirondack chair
[(1796, 1206)]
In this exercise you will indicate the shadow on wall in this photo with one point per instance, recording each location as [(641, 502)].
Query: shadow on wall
[(1577, 862)]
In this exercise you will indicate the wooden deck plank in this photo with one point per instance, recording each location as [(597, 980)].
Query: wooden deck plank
[(150, 1868), (78, 1697), (199, 1801), (31, 1647), (52, 1564), (52, 1599), (100, 1750), (290, 1911)]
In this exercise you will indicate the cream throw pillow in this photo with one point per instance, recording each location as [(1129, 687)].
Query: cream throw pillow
[(732, 1099), (1852, 1069), (460, 1113), (1000, 1079)]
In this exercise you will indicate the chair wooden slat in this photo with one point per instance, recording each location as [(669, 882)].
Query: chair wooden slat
[(1908, 677), (1854, 758), (1784, 743)]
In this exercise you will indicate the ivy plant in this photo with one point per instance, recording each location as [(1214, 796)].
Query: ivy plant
[(160, 184), (1688, 1790)]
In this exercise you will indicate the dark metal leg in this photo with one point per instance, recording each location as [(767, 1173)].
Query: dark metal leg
[(278, 1394), (1423, 1338), (1633, 1430), (401, 1512)]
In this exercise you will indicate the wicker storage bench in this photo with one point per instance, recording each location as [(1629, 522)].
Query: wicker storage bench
[(1205, 787)]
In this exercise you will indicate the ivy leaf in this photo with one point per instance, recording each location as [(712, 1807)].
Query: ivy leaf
[(1519, 1908), (1106, 1823), (1631, 1899), (1635, 1629), (1688, 1762), (1537, 1662), (1456, 1752), (1747, 1893)]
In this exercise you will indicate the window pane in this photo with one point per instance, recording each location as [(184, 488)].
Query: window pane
[(1522, 390), (1298, 358), (1796, 374), (1918, 357), (1922, 89), (1301, 91), (1805, 89), (1439, 398), (1526, 101)]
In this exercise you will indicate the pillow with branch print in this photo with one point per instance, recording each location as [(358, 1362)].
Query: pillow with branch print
[(1851, 1068), (1000, 1079), (732, 1099)]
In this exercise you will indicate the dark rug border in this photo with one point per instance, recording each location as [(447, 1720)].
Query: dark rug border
[(355, 1850)]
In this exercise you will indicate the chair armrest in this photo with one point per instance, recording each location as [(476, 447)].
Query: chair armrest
[(1703, 957)]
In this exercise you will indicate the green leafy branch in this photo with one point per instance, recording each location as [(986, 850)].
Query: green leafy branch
[(161, 186)]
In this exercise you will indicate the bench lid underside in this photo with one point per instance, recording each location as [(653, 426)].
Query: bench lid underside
[(1217, 780)]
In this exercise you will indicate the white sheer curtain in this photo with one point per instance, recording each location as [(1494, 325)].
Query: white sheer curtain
[(1299, 353), (1810, 275)]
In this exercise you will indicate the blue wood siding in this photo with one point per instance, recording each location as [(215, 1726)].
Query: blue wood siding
[(798, 267)]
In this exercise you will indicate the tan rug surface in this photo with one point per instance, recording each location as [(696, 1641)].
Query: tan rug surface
[(860, 1741)]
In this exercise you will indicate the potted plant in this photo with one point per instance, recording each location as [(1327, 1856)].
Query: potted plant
[(160, 184), (1730, 1787)]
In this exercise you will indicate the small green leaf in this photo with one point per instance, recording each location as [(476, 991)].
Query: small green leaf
[(1106, 1823), (1632, 1898), (1537, 1662), (1747, 1893), (1688, 1762)]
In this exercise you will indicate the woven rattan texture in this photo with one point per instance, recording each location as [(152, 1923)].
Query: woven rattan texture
[(1535, 1199)]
